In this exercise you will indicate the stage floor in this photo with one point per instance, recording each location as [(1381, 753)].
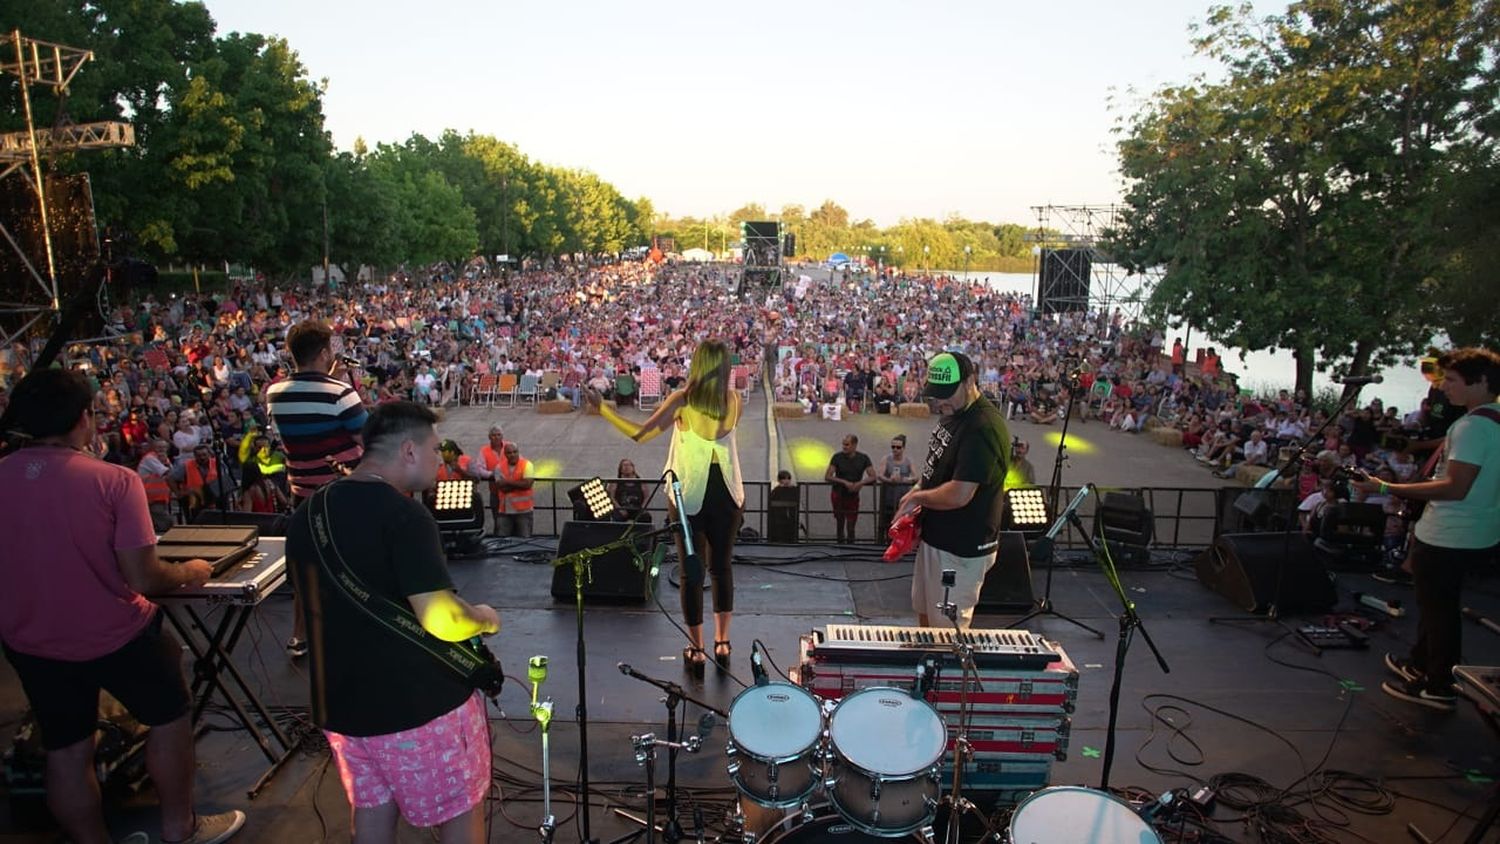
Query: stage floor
[(1239, 698)]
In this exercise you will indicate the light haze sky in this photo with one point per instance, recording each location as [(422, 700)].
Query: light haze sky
[(893, 109)]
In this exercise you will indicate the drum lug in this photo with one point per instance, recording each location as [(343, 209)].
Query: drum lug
[(927, 834), (734, 771), (772, 776), (807, 812), (731, 751)]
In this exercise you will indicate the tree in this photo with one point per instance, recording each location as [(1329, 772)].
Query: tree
[(1295, 204)]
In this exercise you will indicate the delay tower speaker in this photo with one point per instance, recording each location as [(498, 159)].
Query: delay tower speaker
[(1007, 585), (619, 576), (1244, 568)]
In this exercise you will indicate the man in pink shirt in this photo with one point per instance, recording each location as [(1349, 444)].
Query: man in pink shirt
[(79, 554)]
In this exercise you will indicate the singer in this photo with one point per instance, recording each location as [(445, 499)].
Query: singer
[(1458, 530), (702, 417)]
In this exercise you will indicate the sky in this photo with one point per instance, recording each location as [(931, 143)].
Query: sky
[(892, 109)]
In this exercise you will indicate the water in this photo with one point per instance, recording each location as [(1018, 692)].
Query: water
[(1404, 386)]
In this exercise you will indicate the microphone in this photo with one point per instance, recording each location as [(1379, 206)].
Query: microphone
[(692, 567), (706, 724), (624, 668), (1165, 804), (351, 362), (757, 669), (918, 681), (1359, 380), (536, 673)]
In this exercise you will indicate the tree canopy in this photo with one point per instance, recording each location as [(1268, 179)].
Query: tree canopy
[(1321, 197)]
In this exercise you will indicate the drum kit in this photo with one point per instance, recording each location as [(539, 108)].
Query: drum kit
[(866, 768)]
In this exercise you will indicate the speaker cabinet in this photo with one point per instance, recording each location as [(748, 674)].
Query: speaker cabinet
[(782, 514), (1245, 567), (1007, 585), (621, 576)]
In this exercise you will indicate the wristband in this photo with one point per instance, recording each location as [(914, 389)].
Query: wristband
[(1385, 488)]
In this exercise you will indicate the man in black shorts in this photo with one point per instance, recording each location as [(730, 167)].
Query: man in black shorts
[(80, 559)]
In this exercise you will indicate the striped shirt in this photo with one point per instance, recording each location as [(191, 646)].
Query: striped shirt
[(317, 418)]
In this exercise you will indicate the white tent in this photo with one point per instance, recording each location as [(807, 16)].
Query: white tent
[(696, 254)]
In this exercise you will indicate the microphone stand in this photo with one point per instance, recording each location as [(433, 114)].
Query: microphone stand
[(582, 563), (1044, 605), (645, 753), (542, 712), (963, 652), (1130, 622)]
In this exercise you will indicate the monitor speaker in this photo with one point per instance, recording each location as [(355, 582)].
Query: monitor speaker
[(1245, 567), (1007, 585), (782, 515), (620, 576)]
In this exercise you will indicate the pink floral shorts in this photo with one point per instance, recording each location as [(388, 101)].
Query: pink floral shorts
[(434, 772)]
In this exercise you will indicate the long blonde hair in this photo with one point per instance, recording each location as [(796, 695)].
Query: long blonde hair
[(708, 379)]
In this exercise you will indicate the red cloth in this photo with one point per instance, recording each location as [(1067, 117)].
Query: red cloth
[(64, 515)]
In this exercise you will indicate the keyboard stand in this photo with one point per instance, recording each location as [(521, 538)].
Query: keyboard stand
[(234, 596)]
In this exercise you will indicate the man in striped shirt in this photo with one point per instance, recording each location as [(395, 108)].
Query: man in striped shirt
[(318, 417)]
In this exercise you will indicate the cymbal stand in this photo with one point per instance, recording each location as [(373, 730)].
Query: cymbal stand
[(963, 653), (645, 754)]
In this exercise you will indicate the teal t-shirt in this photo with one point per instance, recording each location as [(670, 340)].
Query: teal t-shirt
[(1473, 522)]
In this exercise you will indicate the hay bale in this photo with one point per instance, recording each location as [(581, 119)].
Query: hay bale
[(588, 409), (1167, 436), (554, 406), (1248, 475), (788, 410), (913, 410)]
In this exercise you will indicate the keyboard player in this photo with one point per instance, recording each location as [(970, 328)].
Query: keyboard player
[(79, 559)]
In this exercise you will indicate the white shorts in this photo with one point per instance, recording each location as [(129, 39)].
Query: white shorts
[(927, 583)]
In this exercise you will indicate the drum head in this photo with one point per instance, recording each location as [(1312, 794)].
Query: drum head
[(1072, 815), (887, 731), (774, 721)]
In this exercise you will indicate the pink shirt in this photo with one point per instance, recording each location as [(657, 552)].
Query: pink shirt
[(63, 515)]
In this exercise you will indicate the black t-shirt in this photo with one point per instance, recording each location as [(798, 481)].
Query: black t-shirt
[(367, 680), (1441, 414), (849, 467), (972, 445)]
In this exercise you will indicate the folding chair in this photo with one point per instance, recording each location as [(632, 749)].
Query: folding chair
[(484, 388), (650, 389), (505, 390), (526, 391)]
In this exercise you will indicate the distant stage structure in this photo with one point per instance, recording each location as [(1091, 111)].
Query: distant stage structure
[(1073, 270)]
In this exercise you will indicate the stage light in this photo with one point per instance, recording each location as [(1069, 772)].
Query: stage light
[(458, 510), (1026, 510), (591, 501)]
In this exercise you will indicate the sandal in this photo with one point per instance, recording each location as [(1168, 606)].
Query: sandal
[(693, 661), (722, 650)]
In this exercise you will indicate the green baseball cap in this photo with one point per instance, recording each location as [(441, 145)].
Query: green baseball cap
[(945, 372)]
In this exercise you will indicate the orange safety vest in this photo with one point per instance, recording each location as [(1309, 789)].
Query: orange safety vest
[(515, 500), (490, 459), (158, 491), (448, 473), (195, 478)]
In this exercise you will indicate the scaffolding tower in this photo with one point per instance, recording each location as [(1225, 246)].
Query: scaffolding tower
[(1103, 285), (762, 268), (42, 63)]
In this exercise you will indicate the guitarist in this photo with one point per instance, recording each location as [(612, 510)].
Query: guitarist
[(410, 736), (1459, 528)]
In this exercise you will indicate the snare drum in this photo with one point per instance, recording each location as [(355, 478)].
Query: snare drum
[(774, 731), (885, 746), (824, 829), (1071, 815)]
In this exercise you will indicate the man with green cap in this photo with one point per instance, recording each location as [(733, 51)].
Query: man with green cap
[(960, 499)]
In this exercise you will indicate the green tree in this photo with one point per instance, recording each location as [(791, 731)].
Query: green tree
[(1294, 204)]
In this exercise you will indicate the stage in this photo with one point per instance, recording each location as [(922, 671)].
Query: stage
[(1240, 698)]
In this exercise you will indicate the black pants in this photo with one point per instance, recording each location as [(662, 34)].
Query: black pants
[(715, 526), (1438, 577)]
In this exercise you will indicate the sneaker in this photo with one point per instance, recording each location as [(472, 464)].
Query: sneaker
[(296, 648), (1413, 692), (1401, 668), (213, 829), (1395, 576)]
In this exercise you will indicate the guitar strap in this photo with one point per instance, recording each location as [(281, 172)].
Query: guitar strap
[(472, 662)]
